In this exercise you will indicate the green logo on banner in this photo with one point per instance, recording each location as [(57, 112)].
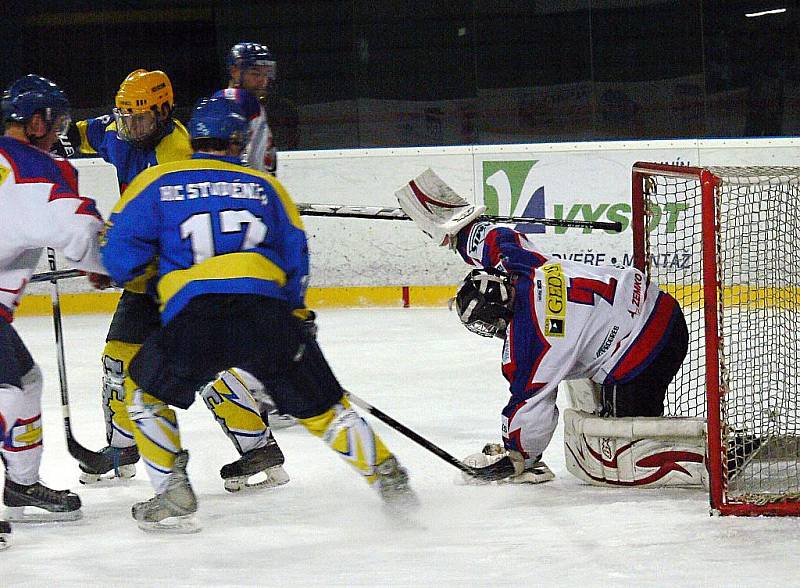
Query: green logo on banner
[(510, 189)]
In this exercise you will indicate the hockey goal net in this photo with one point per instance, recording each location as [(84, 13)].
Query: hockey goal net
[(723, 240)]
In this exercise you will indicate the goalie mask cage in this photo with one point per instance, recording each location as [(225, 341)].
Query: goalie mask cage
[(723, 241)]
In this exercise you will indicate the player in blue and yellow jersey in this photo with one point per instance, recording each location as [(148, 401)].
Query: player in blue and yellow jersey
[(143, 133), (232, 260)]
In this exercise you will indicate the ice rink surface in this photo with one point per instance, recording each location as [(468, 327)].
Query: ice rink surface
[(327, 528)]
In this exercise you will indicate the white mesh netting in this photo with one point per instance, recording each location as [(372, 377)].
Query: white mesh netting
[(758, 235)]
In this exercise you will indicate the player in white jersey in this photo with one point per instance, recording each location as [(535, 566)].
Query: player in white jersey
[(40, 208), (560, 320), (251, 68)]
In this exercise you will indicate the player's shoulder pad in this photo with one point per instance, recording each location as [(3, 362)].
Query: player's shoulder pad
[(175, 146), (31, 163), (249, 104)]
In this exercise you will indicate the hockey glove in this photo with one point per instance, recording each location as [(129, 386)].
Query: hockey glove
[(436, 208), (99, 281), (530, 471)]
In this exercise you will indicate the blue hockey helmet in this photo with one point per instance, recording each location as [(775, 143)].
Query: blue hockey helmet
[(218, 118), (246, 54), (32, 94)]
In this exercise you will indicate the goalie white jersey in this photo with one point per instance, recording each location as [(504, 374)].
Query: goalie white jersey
[(40, 207), (570, 320)]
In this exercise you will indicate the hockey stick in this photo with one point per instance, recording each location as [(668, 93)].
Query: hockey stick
[(389, 213), (90, 459), (496, 471), (56, 275)]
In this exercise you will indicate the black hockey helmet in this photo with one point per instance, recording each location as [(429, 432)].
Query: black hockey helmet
[(483, 302)]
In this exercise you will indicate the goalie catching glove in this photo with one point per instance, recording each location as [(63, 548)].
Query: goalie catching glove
[(532, 471), (436, 208)]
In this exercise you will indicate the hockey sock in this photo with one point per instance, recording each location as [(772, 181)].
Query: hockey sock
[(349, 435), (236, 411), (21, 428), (156, 433), (116, 359)]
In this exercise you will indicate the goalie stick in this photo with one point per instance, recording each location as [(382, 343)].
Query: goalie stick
[(86, 457), (496, 471), (396, 213)]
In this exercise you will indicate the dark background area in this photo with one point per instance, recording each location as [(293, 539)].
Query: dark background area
[(385, 73)]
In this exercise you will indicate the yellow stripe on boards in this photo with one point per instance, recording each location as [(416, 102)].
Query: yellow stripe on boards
[(419, 296), (71, 303), (334, 297)]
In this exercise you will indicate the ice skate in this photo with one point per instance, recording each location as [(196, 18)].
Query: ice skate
[(173, 510), (257, 468), (392, 484), (120, 463), (39, 504), (5, 535)]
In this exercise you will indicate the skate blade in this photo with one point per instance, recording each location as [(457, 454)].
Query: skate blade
[(181, 525), (33, 514), (281, 421), (401, 503), (269, 478), (126, 472)]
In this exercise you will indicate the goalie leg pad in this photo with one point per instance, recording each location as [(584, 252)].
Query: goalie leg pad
[(236, 411), (21, 427), (642, 452), (156, 432)]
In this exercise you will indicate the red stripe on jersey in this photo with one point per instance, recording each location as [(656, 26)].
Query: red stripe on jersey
[(86, 206), (544, 346), (70, 173), (647, 343), (492, 249), (513, 441)]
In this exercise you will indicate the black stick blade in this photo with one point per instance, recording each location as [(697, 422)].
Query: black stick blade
[(499, 470)]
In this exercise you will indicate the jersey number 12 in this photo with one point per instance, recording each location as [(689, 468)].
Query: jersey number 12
[(198, 229)]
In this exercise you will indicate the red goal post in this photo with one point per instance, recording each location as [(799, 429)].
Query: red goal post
[(727, 257)]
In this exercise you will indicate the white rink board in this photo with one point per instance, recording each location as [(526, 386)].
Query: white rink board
[(583, 181)]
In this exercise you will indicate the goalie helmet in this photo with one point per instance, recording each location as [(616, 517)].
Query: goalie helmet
[(144, 104), (219, 118), (483, 302), (33, 94)]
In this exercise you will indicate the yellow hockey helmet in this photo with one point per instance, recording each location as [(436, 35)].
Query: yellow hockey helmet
[(144, 102), (144, 90)]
